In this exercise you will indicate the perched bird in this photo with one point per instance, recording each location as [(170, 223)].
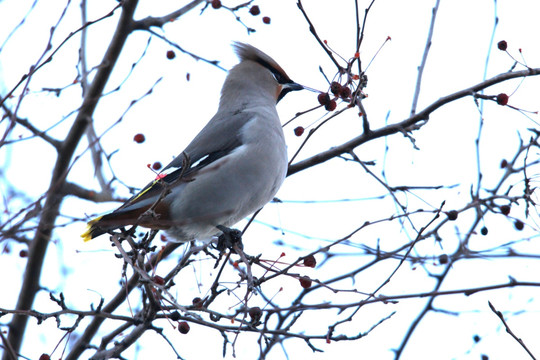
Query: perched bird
[(232, 168)]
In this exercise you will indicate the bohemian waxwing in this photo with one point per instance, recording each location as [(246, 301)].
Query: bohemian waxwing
[(232, 168)]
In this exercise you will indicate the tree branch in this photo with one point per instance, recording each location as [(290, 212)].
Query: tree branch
[(508, 330), (150, 21), (404, 125), (54, 196)]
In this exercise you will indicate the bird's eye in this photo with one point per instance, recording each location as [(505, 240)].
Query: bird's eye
[(279, 77)]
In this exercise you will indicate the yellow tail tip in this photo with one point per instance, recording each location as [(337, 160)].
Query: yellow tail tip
[(87, 235)]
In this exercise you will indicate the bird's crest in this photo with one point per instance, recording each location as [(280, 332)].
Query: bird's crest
[(248, 52)]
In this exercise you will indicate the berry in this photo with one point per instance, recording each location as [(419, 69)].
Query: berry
[(183, 327), (476, 338), (159, 280), (170, 55), (335, 88), (519, 225), (505, 209), (502, 99), (156, 165), (323, 98), (443, 259), (197, 302), (331, 106), (305, 282), (188, 77), (44, 357), (255, 10), (504, 163), (23, 253), (484, 231), (345, 92), (139, 138), (310, 261), (502, 45), (298, 131), (255, 313), (216, 4), (266, 20), (452, 215)]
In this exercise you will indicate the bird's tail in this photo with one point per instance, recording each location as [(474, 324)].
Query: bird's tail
[(93, 229), (112, 221)]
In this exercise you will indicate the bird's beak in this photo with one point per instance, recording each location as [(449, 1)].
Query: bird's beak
[(288, 87), (292, 86)]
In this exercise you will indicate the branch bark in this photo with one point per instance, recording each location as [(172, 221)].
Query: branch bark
[(402, 126), (54, 196)]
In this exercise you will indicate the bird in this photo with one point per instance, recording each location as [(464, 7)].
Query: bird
[(233, 167)]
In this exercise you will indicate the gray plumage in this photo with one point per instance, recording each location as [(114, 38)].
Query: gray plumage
[(232, 168)]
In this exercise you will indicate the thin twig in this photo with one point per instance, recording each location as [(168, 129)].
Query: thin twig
[(424, 58), (508, 330)]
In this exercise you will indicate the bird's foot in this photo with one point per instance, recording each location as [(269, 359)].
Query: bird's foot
[(229, 238)]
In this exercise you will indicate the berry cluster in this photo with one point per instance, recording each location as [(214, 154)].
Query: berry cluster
[(339, 91), (254, 10)]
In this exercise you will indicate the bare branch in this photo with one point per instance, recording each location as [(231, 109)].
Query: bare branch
[(508, 330), (424, 58), (146, 23), (404, 125)]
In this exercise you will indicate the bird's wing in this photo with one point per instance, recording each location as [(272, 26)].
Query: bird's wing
[(216, 140), (221, 135)]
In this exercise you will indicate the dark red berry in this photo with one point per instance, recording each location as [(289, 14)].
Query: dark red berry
[(305, 282), (139, 138), (266, 20), (484, 231), (255, 313), (159, 280), (452, 215), (183, 327), (156, 165), (255, 10), (310, 261), (23, 253), (335, 88), (174, 316), (323, 98), (502, 45), (504, 163), (44, 357), (197, 302), (170, 55), (502, 99), (188, 77), (216, 4), (476, 338), (519, 225), (299, 131), (443, 259), (331, 106), (345, 92), (505, 209)]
